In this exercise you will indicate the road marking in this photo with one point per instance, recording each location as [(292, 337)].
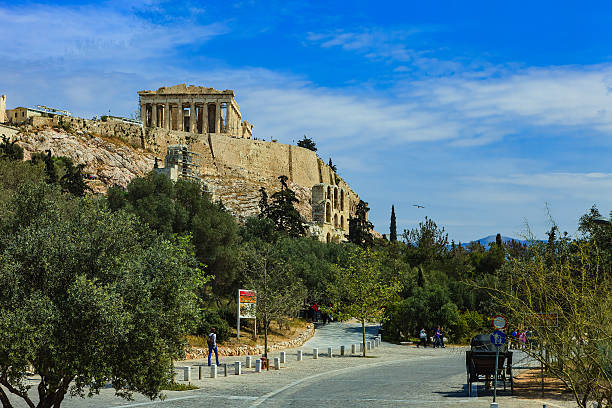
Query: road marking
[(271, 394)]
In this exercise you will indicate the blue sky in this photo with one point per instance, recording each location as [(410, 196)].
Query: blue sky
[(493, 115)]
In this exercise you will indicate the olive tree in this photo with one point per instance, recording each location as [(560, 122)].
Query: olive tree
[(87, 297), (361, 289)]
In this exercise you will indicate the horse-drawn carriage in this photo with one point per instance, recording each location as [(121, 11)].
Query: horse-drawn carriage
[(480, 363)]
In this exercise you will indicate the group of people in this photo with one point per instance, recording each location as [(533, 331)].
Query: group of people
[(437, 338), (520, 339)]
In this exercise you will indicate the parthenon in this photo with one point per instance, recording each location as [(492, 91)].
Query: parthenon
[(194, 109)]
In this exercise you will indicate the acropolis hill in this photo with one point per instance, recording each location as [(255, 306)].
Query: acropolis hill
[(232, 164)]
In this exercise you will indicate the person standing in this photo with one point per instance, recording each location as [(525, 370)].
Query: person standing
[(212, 345), (423, 337), (437, 338), (442, 337)]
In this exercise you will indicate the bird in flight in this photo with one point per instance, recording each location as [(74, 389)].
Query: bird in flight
[(417, 206)]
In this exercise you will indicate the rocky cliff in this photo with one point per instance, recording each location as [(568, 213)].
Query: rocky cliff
[(234, 169)]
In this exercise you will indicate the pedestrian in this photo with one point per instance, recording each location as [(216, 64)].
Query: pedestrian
[(423, 337), (212, 345), (437, 337), (523, 339), (442, 337)]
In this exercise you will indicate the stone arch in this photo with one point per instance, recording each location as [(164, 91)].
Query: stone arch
[(328, 238), (341, 200), (336, 198), (342, 221), (328, 212), (335, 220), (328, 193)]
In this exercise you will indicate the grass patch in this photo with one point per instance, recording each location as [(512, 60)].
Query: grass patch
[(179, 387)]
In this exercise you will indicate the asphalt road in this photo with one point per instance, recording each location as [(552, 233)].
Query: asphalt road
[(393, 376)]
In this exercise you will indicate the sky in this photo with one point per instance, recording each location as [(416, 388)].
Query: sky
[(494, 116)]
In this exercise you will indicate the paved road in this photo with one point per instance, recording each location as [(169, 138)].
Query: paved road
[(394, 376)]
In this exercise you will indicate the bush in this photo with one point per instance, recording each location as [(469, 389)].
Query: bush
[(211, 318), (469, 324)]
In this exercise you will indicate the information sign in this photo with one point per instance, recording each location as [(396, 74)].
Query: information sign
[(498, 338), (248, 303)]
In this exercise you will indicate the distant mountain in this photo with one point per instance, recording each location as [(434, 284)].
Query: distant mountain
[(491, 238)]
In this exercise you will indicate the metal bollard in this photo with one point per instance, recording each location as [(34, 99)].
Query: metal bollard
[(237, 368), (187, 373), (282, 357), (258, 366), (353, 348), (213, 371), (200, 372), (299, 355), (341, 350), (225, 367), (248, 362), (276, 363), (315, 353)]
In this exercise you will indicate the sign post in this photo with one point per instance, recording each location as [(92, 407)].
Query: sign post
[(247, 303), (498, 338)]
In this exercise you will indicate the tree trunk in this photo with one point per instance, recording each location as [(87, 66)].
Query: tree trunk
[(363, 334), (4, 399)]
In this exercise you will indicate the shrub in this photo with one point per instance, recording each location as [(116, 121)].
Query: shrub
[(211, 318)]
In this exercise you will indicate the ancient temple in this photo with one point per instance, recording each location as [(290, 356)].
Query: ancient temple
[(194, 109)]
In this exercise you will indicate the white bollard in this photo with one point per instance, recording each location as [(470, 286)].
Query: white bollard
[(282, 357), (276, 363), (330, 352), (380, 338), (342, 350), (369, 345), (248, 362), (258, 366), (315, 353), (237, 367), (187, 373), (299, 355), (494, 405), (213, 371), (361, 345), (353, 348)]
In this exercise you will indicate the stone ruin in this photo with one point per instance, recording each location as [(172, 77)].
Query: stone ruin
[(194, 109)]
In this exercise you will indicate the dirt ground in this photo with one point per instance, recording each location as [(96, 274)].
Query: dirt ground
[(529, 385)]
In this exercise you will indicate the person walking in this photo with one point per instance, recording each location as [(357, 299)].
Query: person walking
[(423, 337), (212, 345), (437, 337), (442, 337)]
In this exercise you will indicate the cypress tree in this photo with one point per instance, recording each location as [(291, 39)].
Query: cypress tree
[(393, 226)]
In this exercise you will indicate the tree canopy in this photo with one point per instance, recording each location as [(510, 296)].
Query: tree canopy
[(307, 143)]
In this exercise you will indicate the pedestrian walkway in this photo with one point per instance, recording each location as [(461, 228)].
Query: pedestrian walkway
[(336, 334)]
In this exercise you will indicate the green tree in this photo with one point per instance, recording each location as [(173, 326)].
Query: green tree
[(283, 213), (332, 166), (360, 229), (427, 244), (393, 226), (10, 150), (279, 292), (360, 290), (72, 181), (307, 143), (88, 296)]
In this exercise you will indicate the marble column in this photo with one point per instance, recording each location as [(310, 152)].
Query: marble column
[(167, 117), (154, 115), (217, 117), (180, 117), (143, 113), (228, 117), (205, 119), (192, 118)]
